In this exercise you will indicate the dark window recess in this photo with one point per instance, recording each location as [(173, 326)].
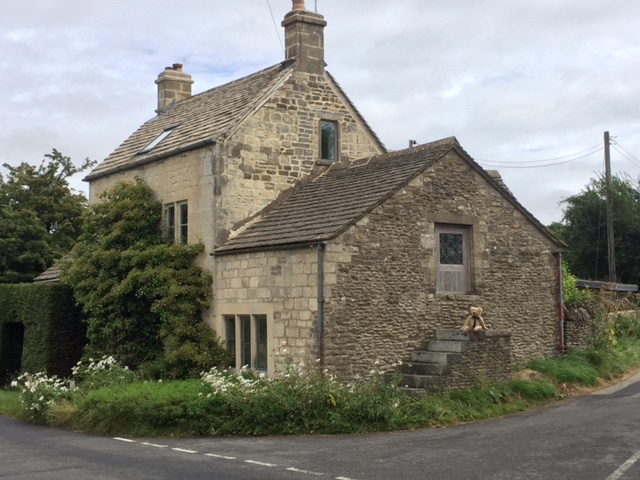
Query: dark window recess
[(328, 141), (230, 334), (170, 222), (261, 342), (245, 341), (184, 222)]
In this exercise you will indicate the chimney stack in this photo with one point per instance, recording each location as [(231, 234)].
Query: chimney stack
[(173, 85), (304, 38)]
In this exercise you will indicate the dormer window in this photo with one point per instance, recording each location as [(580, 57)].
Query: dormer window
[(328, 141), (157, 140)]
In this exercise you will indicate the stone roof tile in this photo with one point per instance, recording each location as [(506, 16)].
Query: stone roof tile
[(337, 199), (199, 120)]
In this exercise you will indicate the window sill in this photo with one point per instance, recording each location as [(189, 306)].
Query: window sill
[(466, 297)]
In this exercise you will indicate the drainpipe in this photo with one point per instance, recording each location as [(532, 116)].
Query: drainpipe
[(320, 315), (561, 345)]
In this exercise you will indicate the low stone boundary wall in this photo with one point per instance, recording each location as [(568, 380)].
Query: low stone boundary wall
[(487, 361)]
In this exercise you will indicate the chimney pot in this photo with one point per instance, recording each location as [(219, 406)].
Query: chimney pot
[(173, 86), (304, 39)]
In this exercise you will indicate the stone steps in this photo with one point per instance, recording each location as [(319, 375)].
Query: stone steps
[(429, 367)]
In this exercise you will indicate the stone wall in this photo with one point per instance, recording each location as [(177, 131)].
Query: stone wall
[(281, 285), (487, 361), (279, 145), (578, 326), (382, 302)]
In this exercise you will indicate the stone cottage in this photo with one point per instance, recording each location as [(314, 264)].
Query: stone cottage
[(322, 245)]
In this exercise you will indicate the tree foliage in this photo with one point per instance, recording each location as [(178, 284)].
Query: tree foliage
[(143, 298), (40, 216), (584, 229)]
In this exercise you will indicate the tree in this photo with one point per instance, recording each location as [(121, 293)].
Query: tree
[(143, 298), (40, 216), (584, 229)]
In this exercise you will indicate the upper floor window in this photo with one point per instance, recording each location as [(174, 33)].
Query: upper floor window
[(328, 141), (452, 259), (176, 221)]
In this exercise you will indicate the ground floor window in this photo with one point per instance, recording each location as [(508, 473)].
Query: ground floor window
[(246, 340)]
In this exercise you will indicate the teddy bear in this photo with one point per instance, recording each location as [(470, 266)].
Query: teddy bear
[(474, 321)]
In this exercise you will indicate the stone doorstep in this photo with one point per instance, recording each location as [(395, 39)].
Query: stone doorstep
[(419, 381), (435, 357), (452, 335), (447, 346), (425, 368)]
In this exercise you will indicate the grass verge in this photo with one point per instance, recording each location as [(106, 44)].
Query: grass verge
[(10, 403), (300, 402)]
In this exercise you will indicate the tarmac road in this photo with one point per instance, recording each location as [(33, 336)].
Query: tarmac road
[(594, 437)]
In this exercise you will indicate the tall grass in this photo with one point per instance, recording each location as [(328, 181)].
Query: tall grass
[(10, 403)]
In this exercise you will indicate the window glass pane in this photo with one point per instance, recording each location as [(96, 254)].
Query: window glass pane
[(230, 334), (245, 341), (451, 251), (157, 140), (184, 223), (329, 140), (261, 342), (170, 223)]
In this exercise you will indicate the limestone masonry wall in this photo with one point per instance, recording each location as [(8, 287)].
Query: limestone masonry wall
[(279, 145), (184, 177), (282, 285), (382, 301)]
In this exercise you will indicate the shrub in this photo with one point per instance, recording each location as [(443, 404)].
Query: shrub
[(38, 392)]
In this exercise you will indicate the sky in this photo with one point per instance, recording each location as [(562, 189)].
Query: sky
[(528, 88)]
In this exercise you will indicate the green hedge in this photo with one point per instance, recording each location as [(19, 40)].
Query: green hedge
[(54, 333)]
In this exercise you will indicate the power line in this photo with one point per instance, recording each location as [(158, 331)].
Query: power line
[(546, 159), (625, 153), (273, 19), (506, 164)]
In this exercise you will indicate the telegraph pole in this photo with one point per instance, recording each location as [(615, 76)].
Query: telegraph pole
[(609, 200)]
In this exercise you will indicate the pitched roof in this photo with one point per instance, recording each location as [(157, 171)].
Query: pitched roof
[(51, 274), (328, 205), (333, 202), (199, 120)]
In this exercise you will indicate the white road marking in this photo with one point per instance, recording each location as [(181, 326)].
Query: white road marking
[(183, 450), (224, 457), (261, 463), (615, 475), (124, 440), (624, 467), (308, 472)]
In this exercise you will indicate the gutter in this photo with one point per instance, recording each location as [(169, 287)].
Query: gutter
[(150, 159), (322, 246), (561, 331)]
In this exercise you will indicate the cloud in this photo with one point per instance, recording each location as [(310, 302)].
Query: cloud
[(514, 81)]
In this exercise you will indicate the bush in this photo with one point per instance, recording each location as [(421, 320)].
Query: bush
[(38, 392)]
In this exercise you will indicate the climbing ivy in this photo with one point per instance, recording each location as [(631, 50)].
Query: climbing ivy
[(143, 298)]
